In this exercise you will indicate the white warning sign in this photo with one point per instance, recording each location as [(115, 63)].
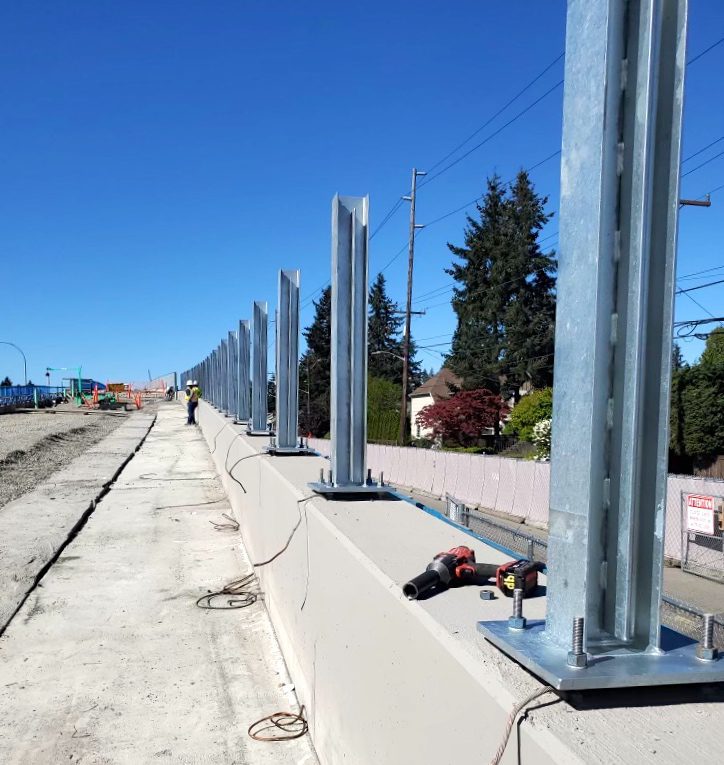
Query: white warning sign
[(700, 513)]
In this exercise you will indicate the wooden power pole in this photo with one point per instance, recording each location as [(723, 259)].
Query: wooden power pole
[(402, 436)]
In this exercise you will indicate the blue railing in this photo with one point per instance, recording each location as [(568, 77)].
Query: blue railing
[(28, 395)]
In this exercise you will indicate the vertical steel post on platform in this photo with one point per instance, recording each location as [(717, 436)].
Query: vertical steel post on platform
[(287, 361), (259, 370), (222, 364), (217, 397), (624, 81), (231, 374), (349, 340), (243, 411)]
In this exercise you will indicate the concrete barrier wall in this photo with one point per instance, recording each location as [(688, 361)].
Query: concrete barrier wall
[(515, 487), (383, 680), (393, 682)]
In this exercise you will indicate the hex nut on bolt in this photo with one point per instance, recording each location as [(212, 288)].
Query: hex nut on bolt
[(516, 622), (578, 660), (706, 654)]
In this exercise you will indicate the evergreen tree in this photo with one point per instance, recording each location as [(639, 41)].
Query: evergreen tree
[(477, 345), (703, 398), (530, 315), (314, 370), (383, 334), (714, 350), (385, 345), (505, 299), (6, 383), (677, 358), (697, 404)]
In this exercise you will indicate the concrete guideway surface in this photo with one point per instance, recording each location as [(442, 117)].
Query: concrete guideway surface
[(110, 661), (35, 526)]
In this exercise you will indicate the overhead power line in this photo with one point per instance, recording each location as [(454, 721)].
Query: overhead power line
[(699, 287), (387, 218), (698, 304), (706, 162), (705, 51), (396, 206), (492, 135), (701, 151), (499, 112), (698, 274)]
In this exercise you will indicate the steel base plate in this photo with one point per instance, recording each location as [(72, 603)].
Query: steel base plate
[(250, 432), (290, 451), (371, 490), (676, 665)]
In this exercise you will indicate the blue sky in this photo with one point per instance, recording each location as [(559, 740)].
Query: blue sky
[(161, 161)]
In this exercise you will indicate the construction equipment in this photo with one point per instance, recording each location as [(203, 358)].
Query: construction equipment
[(518, 575), (456, 566)]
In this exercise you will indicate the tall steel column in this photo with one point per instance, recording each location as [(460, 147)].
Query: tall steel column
[(287, 362), (223, 358), (625, 63), (349, 348), (231, 373), (243, 411), (259, 370)]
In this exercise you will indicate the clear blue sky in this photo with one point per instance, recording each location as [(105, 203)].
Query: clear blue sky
[(161, 161)]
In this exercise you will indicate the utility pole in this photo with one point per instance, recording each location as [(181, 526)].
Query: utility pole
[(408, 309)]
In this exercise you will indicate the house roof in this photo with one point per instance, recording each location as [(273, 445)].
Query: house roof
[(438, 385)]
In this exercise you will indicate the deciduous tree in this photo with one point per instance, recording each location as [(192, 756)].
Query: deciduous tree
[(465, 416)]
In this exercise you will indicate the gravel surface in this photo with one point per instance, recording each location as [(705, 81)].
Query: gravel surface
[(33, 445)]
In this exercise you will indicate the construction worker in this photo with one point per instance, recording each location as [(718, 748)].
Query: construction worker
[(193, 394)]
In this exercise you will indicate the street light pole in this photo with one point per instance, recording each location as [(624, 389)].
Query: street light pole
[(25, 361)]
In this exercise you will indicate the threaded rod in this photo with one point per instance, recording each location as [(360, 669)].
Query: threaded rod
[(577, 635), (707, 640), (517, 603)]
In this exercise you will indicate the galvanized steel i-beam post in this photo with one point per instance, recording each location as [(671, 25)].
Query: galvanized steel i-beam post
[(231, 374), (350, 217), (624, 78), (286, 441), (243, 412), (259, 371), (224, 360)]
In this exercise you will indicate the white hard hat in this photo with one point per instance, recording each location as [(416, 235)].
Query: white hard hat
[(189, 382), (194, 383)]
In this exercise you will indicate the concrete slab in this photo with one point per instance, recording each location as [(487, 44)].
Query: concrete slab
[(110, 661), (36, 525)]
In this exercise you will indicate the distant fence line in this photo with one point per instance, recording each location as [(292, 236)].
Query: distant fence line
[(513, 487), (27, 395)]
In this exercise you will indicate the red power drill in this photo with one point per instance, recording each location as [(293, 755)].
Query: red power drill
[(454, 566)]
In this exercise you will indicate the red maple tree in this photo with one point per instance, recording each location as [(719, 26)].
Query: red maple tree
[(464, 416)]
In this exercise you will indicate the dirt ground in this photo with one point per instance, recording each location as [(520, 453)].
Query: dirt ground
[(34, 444)]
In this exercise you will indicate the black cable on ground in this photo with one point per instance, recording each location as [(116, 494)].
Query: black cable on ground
[(218, 433), (500, 751), (241, 459), (231, 524), (289, 538), (193, 504), (237, 596), (289, 725)]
